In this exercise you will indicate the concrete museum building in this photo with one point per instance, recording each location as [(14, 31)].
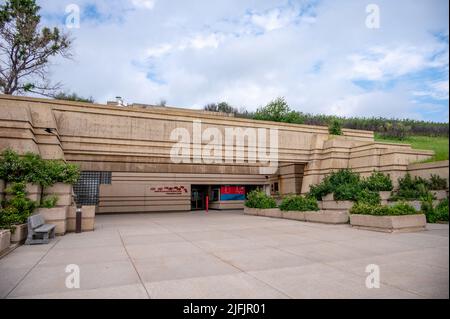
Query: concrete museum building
[(142, 158)]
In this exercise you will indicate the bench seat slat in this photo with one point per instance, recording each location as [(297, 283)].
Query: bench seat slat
[(44, 228)]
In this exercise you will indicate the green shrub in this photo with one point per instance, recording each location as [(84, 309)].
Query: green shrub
[(61, 172), (368, 196), (319, 190), (335, 127), (334, 181), (11, 168), (383, 210), (411, 188), (441, 210), (259, 199), (347, 192), (435, 214), (18, 208), (299, 203), (437, 183), (49, 201), (31, 168), (343, 176), (378, 182)]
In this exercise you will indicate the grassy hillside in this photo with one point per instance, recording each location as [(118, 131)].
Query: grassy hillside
[(438, 144)]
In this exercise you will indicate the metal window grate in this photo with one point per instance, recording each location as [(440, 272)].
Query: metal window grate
[(86, 189)]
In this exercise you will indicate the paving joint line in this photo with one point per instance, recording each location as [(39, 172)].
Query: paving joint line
[(134, 266), (31, 269)]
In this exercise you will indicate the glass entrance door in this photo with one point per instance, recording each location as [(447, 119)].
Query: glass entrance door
[(196, 199)]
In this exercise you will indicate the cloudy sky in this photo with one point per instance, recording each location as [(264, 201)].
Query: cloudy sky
[(319, 55)]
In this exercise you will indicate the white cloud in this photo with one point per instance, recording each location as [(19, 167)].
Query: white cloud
[(380, 62), (146, 4), (249, 52), (436, 90)]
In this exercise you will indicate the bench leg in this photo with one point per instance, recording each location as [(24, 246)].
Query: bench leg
[(45, 239)]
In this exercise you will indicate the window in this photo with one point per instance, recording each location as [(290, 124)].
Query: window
[(86, 189)]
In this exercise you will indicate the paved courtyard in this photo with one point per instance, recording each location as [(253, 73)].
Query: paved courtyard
[(229, 255)]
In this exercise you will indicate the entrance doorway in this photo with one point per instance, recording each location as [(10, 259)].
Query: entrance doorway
[(198, 196)]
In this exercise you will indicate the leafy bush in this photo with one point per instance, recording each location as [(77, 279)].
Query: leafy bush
[(344, 184), (319, 190), (435, 214), (31, 168), (11, 168), (49, 201), (347, 192), (259, 199), (437, 183), (383, 210), (61, 172), (299, 203), (411, 188), (18, 208), (397, 130), (368, 197), (378, 182), (335, 127), (441, 210)]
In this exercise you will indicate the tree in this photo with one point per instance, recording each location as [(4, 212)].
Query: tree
[(279, 111), (25, 49), (72, 97), (220, 107)]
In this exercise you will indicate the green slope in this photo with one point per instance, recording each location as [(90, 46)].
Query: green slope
[(438, 144)]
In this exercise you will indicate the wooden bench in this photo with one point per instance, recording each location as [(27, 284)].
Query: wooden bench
[(38, 231)]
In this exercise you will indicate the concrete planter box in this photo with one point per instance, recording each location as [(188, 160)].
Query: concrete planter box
[(270, 212), (33, 192), (384, 196), (320, 204), (328, 203), (417, 204), (328, 197), (250, 211), (440, 194), (56, 216), (19, 234), (294, 215), (87, 218), (389, 224), (327, 217), (5, 239), (63, 191)]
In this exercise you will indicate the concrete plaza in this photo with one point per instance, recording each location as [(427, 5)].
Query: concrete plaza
[(229, 255)]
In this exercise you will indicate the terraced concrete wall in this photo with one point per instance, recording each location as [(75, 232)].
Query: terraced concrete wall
[(134, 144)]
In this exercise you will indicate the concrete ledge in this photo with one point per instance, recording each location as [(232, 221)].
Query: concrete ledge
[(337, 205), (270, 212), (327, 217), (440, 194), (250, 211), (20, 233), (5, 240), (389, 224), (63, 191), (294, 215), (56, 216)]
